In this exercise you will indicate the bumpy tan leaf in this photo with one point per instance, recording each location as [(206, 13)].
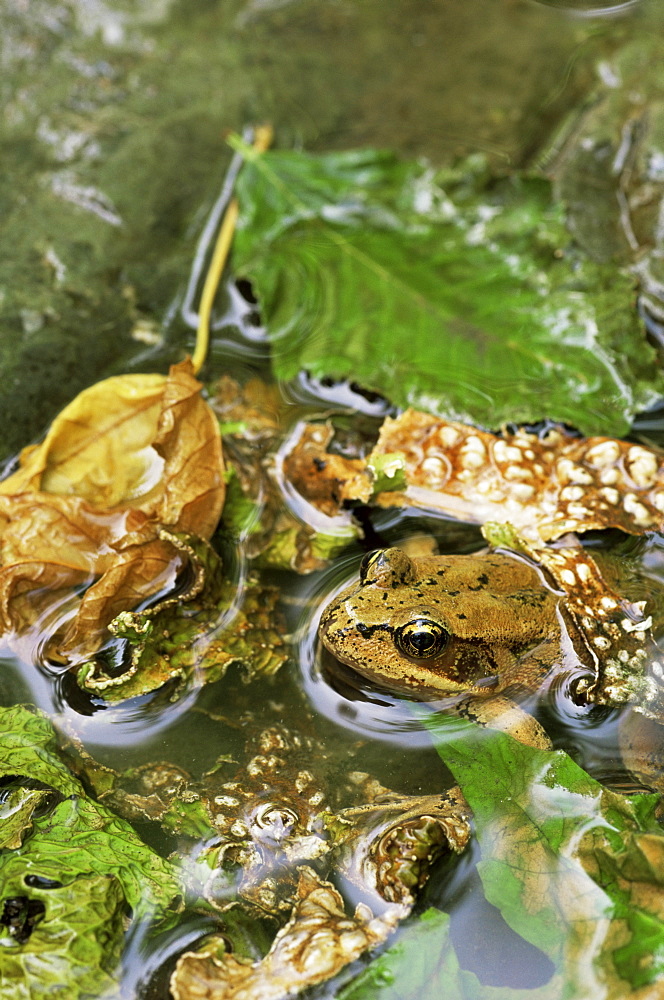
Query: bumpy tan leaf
[(128, 457), (544, 485)]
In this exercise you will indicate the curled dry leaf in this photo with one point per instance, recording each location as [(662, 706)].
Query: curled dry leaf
[(179, 636), (316, 943), (128, 457)]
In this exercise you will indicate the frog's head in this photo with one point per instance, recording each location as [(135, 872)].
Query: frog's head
[(400, 626)]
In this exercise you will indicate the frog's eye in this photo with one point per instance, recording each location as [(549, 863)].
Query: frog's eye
[(421, 638)]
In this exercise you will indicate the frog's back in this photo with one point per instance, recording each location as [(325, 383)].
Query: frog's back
[(494, 597)]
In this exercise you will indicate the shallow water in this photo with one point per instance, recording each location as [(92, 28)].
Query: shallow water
[(113, 154)]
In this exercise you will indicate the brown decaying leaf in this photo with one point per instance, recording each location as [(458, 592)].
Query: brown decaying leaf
[(325, 479), (128, 456), (316, 943), (280, 536), (545, 486)]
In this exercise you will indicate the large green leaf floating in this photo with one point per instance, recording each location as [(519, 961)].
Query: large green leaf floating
[(576, 870), (454, 292)]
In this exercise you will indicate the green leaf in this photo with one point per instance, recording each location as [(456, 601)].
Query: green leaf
[(389, 472), (458, 293), (74, 944), (68, 889), (576, 870), (28, 746), (423, 964)]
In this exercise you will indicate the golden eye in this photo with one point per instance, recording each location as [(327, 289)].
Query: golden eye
[(421, 638)]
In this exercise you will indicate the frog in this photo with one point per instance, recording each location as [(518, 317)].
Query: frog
[(474, 629), (447, 624)]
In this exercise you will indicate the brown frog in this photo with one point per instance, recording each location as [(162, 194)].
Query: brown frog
[(444, 625), (467, 627)]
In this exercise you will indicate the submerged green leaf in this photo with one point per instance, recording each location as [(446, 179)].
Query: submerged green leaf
[(456, 293), (576, 870), (423, 964), (74, 934)]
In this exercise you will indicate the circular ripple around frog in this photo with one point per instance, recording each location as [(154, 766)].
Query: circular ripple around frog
[(343, 697)]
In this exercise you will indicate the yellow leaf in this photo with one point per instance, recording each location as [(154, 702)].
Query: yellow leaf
[(125, 458), (100, 447)]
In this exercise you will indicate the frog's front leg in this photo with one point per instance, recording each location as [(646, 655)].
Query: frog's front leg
[(498, 712), (641, 743)]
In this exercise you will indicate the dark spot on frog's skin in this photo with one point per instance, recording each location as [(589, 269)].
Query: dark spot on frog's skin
[(528, 599), (442, 572), (384, 595), (487, 682), (461, 616), (366, 631), (480, 586), (483, 579), (453, 593), (320, 463)]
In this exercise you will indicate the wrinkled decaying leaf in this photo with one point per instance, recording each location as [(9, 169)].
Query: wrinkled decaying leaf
[(544, 485), (80, 518), (325, 479), (274, 535), (354, 254), (199, 632), (318, 941), (73, 879), (257, 828), (575, 869)]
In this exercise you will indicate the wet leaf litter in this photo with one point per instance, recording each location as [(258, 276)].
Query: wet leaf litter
[(190, 551)]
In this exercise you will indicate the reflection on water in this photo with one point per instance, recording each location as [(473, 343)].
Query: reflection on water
[(593, 8)]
